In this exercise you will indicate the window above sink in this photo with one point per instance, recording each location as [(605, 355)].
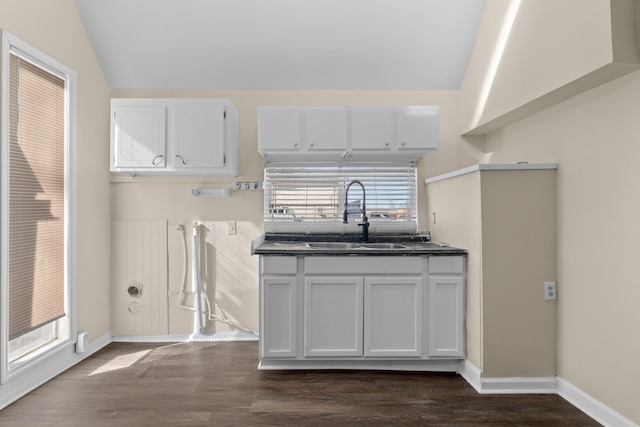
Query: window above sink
[(310, 198)]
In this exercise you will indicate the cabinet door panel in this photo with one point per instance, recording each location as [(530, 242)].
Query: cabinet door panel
[(333, 316), (140, 137), (198, 136), (279, 128), (372, 128), (446, 316), (393, 320), (279, 317), (326, 129), (418, 127)]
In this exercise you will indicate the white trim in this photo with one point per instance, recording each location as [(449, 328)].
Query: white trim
[(471, 374), (4, 209), (519, 385), (432, 365), (592, 407), (44, 372), (218, 336), (13, 45), (515, 385), (492, 167), (544, 385)]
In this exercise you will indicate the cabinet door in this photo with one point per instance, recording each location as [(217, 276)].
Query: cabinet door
[(279, 128), (417, 127), (372, 128), (139, 137), (278, 317), (198, 136), (446, 316), (333, 316), (326, 129), (393, 317)]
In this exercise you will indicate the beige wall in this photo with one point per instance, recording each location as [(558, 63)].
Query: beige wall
[(593, 137), (553, 51), (64, 39), (145, 198), (458, 222), (518, 255), (507, 221)]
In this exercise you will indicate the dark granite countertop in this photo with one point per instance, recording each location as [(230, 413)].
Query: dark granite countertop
[(335, 244)]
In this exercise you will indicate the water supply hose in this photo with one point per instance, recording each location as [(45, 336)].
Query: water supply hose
[(195, 274)]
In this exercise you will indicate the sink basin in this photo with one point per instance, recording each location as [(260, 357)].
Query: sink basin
[(382, 246), (348, 245), (331, 245)]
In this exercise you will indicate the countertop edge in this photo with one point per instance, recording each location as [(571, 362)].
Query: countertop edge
[(492, 167)]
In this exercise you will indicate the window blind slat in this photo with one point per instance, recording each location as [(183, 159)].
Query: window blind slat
[(36, 197), (316, 194)]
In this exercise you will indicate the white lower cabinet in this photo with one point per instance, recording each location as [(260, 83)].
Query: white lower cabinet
[(393, 316), (333, 316), (278, 323), (323, 311), (446, 305)]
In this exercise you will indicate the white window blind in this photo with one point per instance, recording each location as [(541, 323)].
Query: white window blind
[(312, 197), (36, 248)]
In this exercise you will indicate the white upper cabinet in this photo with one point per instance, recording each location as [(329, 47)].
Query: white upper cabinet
[(280, 129), (285, 131), (347, 134), (326, 129), (418, 128), (372, 128), (198, 136), (174, 137), (139, 137)]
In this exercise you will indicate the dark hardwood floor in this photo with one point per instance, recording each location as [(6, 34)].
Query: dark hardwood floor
[(217, 384)]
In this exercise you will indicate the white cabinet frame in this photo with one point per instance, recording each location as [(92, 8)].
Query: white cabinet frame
[(174, 136)]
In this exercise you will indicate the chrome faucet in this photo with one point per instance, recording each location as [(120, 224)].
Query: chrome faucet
[(345, 214)]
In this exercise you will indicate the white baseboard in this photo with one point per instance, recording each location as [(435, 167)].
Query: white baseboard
[(544, 385), (216, 337), (518, 385), (387, 365), (592, 407), (40, 373)]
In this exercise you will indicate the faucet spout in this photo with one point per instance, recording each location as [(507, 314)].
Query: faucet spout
[(345, 214)]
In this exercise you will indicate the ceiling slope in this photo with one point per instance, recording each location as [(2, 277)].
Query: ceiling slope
[(283, 44)]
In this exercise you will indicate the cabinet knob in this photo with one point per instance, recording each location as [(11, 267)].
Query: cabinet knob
[(386, 144), (295, 144), (311, 144), (403, 143)]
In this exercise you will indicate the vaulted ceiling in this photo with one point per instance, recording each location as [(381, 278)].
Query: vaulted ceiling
[(283, 44)]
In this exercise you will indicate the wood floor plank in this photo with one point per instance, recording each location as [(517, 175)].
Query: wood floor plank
[(217, 384)]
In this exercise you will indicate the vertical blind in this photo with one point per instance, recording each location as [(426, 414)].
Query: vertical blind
[(316, 193), (36, 249)]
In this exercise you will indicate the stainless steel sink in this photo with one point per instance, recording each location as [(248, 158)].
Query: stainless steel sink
[(348, 245), (382, 246), (331, 245)]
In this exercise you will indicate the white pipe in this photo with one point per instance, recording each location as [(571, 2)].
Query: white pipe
[(195, 274), (183, 283)]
